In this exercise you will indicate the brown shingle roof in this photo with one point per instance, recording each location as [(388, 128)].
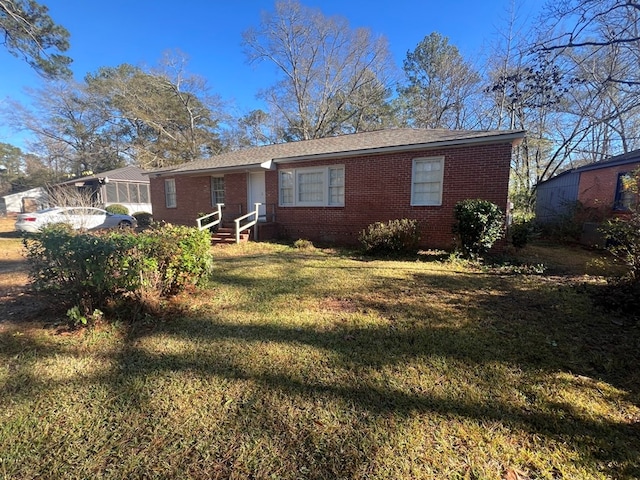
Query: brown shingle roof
[(126, 174), (354, 144)]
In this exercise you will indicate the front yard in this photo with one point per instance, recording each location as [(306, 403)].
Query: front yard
[(321, 364)]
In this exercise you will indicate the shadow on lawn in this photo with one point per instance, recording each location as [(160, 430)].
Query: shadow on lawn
[(596, 439), (539, 328)]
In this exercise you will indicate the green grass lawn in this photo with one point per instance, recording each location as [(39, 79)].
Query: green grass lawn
[(321, 365)]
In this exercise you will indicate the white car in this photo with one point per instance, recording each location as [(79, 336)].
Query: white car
[(80, 218)]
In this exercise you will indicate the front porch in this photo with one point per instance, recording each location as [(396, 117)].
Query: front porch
[(229, 225)]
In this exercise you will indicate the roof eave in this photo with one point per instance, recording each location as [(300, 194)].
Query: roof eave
[(512, 137), (268, 165), (515, 138)]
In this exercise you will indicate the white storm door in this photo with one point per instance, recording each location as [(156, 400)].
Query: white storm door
[(257, 194)]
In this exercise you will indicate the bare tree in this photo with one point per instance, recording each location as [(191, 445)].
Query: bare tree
[(333, 79), (597, 43), (70, 127), (70, 196), (594, 25)]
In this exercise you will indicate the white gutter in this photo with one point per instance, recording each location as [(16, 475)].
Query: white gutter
[(206, 171)]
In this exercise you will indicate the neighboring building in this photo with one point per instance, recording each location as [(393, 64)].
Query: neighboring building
[(128, 186), (24, 202), (599, 188), (330, 189)]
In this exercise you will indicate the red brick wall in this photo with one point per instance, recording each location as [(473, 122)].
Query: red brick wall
[(235, 195), (597, 188), (193, 197), (377, 188)]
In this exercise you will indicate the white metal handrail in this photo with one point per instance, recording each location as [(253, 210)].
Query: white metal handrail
[(216, 221), (249, 224)]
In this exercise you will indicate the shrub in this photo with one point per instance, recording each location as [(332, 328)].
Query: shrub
[(79, 268), (479, 224), (117, 209), (392, 237), (144, 219), (90, 271), (623, 242), (303, 244), (520, 234), (179, 256)]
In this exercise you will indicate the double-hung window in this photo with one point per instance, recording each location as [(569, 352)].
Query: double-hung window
[(313, 186), (217, 190), (426, 181), (170, 193)]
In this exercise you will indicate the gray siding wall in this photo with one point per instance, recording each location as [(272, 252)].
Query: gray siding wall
[(555, 197)]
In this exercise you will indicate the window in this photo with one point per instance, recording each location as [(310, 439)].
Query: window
[(144, 193), (286, 188), (170, 193), (217, 190), (123, 192), (310, 187), (317, 186), (625, 196), (336, 186), (112, 192), (120, 192), (426, 186), (134, 194)]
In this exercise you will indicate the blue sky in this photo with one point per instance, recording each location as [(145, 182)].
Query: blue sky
[(112, 32)]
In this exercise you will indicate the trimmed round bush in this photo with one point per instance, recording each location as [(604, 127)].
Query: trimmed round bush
[(144, 219), (117, 209)]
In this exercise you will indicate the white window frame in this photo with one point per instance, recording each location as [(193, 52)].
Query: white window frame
[(326, 175), (215, 201), (440, 180), (170, 195)]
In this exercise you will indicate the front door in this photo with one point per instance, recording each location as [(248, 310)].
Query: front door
[(257, 194)]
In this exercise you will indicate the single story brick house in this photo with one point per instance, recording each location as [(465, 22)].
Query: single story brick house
[(598, 187), (330, 189)]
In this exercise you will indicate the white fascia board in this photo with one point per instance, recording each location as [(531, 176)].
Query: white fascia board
[(216, 170)]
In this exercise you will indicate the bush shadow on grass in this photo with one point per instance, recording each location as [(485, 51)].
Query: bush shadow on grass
[(595, 438), (539, 328), (519, 327)]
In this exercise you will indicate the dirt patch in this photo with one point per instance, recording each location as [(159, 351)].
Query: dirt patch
[(13, 266), (16, 302), (345, 305)]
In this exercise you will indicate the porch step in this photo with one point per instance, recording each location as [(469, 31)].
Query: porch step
[(226, 235)]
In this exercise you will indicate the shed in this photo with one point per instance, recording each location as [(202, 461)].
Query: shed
[(598, 187), (23, 202)]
